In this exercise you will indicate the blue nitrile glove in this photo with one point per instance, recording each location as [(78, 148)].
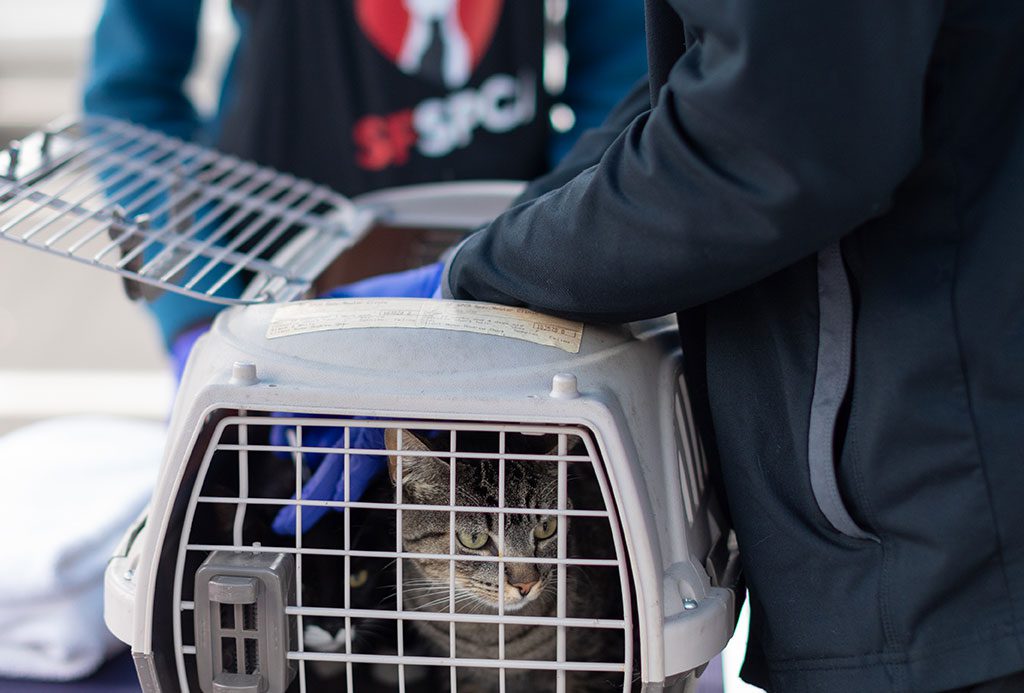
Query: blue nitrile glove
[(328, 479), (181, 347), (422, 282)]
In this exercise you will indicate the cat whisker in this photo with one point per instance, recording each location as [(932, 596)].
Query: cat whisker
[(429, 606), (430, 596), (409, 588), (422, 590), (459, 599), (415, 582)]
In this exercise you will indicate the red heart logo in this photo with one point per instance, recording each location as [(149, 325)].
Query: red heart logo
[(404, 30)]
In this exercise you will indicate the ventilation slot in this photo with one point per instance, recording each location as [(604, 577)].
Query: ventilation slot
[(252, 656), (228, 656)]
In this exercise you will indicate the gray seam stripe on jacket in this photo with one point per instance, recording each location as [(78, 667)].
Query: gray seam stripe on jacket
[(835, 343)]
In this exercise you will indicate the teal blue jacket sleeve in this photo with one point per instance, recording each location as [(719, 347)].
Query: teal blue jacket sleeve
[(607, 50), (142, 53)]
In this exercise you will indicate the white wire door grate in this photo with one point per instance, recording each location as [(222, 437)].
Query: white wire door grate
[(483, 557), (169, 214)]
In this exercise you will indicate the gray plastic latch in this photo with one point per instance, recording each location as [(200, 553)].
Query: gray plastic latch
[(242, 630), (232, 590), (236, 683)]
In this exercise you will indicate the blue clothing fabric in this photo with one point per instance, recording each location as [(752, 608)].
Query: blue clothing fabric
[(182, 347), (328, 479), (422, 282), (144, 50), (607, 54), (176, 313), (142, 53)]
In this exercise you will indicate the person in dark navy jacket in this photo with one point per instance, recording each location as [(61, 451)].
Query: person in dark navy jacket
[(831, 197)]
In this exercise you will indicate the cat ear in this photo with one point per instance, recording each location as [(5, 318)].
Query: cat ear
[(409, 442)]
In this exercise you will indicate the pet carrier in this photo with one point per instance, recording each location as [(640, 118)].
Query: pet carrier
[(395, 494)]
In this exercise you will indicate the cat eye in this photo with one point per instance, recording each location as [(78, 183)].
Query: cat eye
[(357, 580), (546, 529), (473, 540)]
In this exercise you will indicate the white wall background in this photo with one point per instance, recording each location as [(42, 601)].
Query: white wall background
[(44, 45)]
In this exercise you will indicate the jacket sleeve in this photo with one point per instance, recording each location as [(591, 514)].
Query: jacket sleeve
[(784, 126), (607, 52), (142, 53), (591, 145)]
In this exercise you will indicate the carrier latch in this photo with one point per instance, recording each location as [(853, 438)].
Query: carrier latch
[(242, 629)]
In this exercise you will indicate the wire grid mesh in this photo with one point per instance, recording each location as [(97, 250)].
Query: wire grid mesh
[(395, 572), (169, 214)]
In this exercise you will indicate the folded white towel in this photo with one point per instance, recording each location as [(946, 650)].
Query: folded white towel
[(69, 488), (58, 638)]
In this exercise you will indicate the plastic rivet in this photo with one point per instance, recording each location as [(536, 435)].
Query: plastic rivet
[(689, 604), (243, 373), (564, 386), (129, 575)]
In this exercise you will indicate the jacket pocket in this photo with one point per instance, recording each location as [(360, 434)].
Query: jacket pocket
[(831, 382)]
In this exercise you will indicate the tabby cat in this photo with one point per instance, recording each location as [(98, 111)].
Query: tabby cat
[(530, 589)]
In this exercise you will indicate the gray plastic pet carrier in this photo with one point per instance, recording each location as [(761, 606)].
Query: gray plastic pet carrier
[(542, 515)]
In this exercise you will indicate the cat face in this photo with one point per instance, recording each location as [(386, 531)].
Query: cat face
[(528, 485)]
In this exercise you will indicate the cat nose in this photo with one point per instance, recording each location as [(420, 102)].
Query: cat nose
[(524, 587)]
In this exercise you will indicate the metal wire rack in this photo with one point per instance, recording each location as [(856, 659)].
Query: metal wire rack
[(238, 454), (171, 215)]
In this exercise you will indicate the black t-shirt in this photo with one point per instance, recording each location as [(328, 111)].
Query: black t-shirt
[(365, 94)]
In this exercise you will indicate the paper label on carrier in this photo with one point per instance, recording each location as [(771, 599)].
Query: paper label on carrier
[(458, 316)]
